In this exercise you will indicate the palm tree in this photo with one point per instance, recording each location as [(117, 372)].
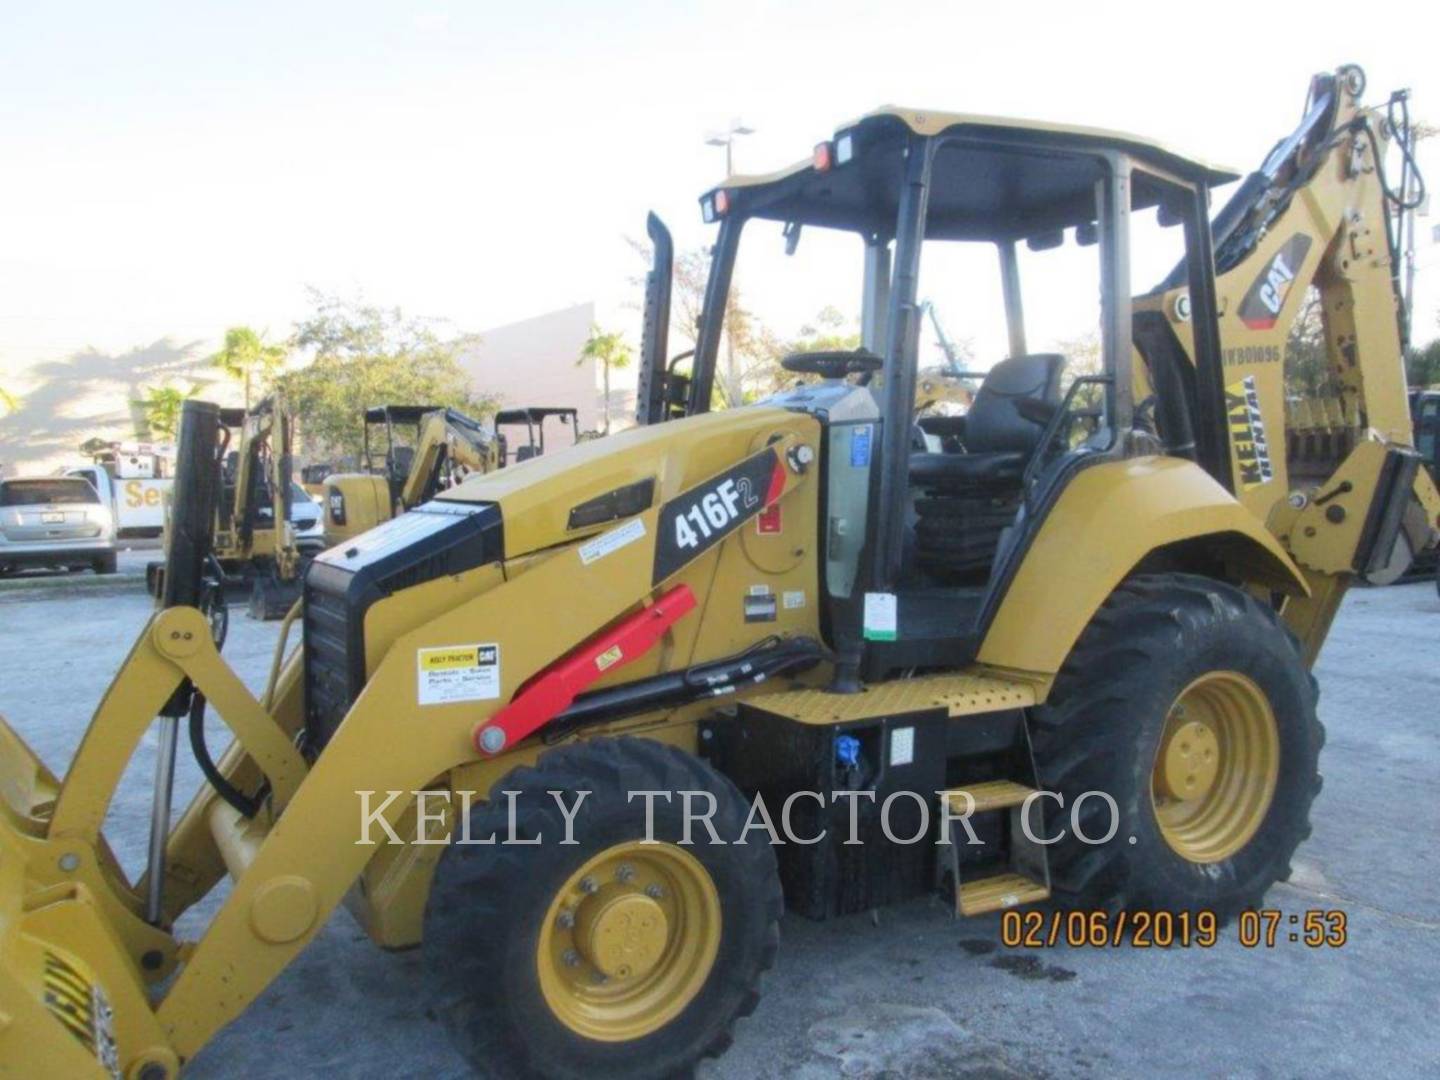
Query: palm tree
[(609, 350), (245, 355), (161, 407)]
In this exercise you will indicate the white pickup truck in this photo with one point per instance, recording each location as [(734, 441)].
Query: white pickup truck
[(137, 502), (136, 496)]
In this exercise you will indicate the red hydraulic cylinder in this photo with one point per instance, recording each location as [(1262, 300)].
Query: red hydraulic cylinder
[(553, 690)]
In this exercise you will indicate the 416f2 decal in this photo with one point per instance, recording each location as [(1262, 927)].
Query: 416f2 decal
[(700, 518)]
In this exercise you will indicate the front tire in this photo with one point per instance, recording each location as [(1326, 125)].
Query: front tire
[(1188, 703), (609, 957)]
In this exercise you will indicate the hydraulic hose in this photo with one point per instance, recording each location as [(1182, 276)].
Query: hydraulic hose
[(243, 804)]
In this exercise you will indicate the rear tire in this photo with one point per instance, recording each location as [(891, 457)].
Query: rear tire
[(509, 987), (1110, 725)]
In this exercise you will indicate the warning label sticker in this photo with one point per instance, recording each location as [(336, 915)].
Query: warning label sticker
[(458, 673), (612, 541)]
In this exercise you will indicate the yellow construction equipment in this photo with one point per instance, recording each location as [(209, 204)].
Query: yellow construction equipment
[(611, 656), (254, 466), (442, 448), (522, 430)]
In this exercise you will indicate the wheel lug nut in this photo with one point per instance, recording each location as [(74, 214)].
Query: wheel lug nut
[(587, 885), (566, 920), (625, 873), (571, 958), (654, 892)]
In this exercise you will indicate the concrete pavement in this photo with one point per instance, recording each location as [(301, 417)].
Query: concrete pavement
[(914, 993)]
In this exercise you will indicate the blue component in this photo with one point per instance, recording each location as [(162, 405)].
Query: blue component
[(847, 750), (860, 446)]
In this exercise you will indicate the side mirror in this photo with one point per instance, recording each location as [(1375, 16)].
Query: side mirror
[(655, 330)]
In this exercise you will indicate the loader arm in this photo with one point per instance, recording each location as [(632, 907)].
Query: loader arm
[(307, 862)]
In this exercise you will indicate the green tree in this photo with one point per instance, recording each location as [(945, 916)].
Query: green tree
[(828, 333), (1422, 366), (609, 350), (248, 358), (1308, 373), (160, 408), (8, 400), (749, 361), (366, 355)]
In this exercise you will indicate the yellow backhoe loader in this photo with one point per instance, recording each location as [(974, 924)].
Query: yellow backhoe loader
[(444, 446), (577, 684), (252, 461)]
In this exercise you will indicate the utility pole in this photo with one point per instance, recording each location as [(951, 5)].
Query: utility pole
[(734, 392)]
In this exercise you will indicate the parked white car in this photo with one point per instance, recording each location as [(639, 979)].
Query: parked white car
[(305, 515), (55, 521)]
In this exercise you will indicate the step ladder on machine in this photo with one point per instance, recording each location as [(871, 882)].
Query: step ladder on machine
[(1025, 878)]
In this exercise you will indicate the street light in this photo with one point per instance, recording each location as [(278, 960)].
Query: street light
[(727, 140)]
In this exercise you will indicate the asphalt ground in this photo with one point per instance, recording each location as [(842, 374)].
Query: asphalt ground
[(911, 992)]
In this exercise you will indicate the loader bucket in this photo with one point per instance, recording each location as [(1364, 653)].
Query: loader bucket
[(63, 975)]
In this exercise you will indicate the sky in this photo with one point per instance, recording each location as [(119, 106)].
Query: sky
[(171, 169)]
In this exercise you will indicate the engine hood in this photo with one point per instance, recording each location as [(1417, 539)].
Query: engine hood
[(537, 497)]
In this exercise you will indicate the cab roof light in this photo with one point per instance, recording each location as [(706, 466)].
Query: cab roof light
[(824, 157), (715, 206), (844, 149)]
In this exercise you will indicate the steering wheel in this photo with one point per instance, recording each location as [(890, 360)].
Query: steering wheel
[(833, 364)]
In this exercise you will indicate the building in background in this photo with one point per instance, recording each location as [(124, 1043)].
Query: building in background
[(67, 400), (536, 361)]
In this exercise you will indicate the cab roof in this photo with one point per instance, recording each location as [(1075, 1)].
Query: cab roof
[(998, 179), (533, 413), (398, 414)]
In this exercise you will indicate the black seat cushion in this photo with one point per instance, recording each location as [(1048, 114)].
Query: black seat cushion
[(993, 423), (998, 438), (944, 470), (401, 458)]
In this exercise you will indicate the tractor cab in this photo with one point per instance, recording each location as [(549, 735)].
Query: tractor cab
[(527, 430), (927, 516), (247, 499), (400, 425), (1425, 411)]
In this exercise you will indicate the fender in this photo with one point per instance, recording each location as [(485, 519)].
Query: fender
[(1078, 556)]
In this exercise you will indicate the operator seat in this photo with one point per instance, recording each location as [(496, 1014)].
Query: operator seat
[(965, 499), (399, 459), (998, 439)]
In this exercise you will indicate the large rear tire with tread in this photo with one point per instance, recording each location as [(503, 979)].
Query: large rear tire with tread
[(1116, 722), (522, 940)]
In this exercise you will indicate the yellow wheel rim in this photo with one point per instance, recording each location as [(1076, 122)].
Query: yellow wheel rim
[(1216, 767), (628, 941)]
